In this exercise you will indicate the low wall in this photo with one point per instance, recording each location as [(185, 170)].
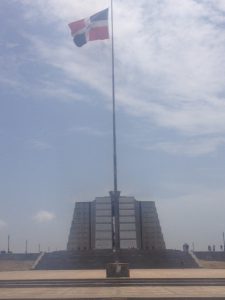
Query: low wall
[(143, 259)]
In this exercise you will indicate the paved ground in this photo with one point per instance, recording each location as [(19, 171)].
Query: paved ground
[(151, 292), (15, 265), (83, 274), (114, 292), (211, 264)]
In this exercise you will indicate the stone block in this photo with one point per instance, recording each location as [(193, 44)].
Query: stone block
[(117, 270)]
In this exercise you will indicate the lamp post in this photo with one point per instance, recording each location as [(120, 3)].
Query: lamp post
[(223, 242), (26, 246), (8, 243)]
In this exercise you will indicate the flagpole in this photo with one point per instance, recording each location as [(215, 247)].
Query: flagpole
[(115, 194), (113, 101)]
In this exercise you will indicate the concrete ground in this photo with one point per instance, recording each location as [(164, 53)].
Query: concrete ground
[(97, 274), (115, 293), (15, 265), (211, 264), (139, 292)]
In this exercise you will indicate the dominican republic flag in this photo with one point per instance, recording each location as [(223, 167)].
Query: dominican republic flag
[(90, 29)]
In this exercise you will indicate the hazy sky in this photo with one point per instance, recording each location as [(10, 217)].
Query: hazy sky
[(56, 117)]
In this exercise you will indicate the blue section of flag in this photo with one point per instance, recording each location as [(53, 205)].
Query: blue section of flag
[(80, 39), (100, 16)]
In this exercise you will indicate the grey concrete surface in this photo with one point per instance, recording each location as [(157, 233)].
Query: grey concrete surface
[(151, 292), (134, 273), (113, 292)]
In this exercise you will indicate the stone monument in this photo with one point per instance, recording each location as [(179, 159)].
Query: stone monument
[(93, 225)]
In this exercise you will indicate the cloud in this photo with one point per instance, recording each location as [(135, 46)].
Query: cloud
[(87, 130), (40, 145), (63, 92), (60, 11), (9, 82), (2, 224), (44, 216), (195, 209), (79, 69), (169, 61), (192, 147)]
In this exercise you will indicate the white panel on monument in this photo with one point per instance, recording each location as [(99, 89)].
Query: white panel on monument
[(103, 244), (103, 212), (126, 244), (128, 234), (129, 212), (127, 219), (127, 226), (126, 205), (101, 235), (105, 219), (126, 200), (106, 227), (104, 206)]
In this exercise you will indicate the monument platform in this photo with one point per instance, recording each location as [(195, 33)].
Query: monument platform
[(98, 259), (210, 290)]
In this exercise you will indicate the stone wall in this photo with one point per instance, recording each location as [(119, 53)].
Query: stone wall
[(92, 225), (152, 237), (80, 234)]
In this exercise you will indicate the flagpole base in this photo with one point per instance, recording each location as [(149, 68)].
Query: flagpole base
[(117, 270)]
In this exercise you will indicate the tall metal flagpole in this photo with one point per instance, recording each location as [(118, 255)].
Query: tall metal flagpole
[(113, 99), (115, 194)]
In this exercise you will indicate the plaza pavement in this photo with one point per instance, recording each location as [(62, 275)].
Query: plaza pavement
[(139, 292)]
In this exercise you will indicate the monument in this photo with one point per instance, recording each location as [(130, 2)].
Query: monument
[(94, 225)]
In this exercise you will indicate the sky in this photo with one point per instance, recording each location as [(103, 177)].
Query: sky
[(56, 117)]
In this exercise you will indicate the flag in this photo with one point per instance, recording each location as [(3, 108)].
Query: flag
[(90, 29)]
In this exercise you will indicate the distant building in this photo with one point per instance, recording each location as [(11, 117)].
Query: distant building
[(92, 225)]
